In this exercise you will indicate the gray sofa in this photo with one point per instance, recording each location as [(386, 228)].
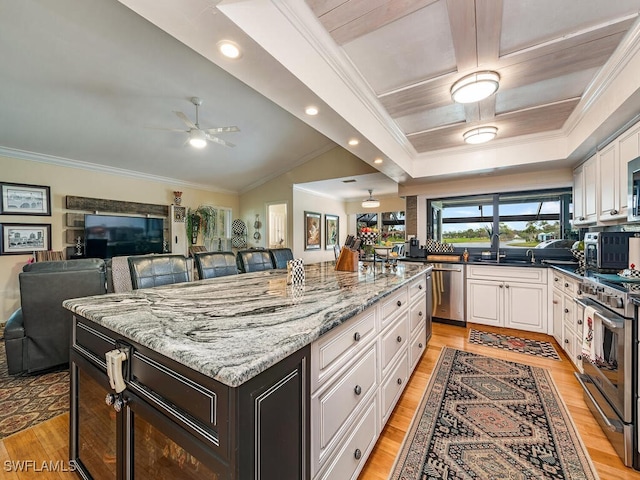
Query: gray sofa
[(36, 336)]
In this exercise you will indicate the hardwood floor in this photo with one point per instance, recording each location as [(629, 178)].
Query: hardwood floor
[(44, 447), (604, 458)]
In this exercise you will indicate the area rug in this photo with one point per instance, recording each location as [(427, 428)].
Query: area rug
[(26, 400), (514, 344), (484, 418)]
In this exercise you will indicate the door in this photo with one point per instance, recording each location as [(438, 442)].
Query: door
[(485, 305)]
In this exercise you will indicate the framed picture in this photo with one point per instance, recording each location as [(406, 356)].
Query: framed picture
[(24, 238), (312, 227), (331, 231), (20, 199)]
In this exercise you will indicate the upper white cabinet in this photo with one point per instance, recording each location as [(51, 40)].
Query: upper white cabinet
[(600, 185), (585, 192)]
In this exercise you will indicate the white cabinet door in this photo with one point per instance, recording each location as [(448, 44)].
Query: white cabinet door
[(485, 302), (608, 167), (590, 190), (525, 306), (578, 196)]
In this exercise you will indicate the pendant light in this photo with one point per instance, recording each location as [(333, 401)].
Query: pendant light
[(370, 202)]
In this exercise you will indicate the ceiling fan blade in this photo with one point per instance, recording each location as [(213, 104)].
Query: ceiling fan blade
[(222, 130), (185, 119), (220, 141)]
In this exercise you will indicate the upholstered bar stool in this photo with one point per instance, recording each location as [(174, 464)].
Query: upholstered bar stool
[(253, 261), (155, 270), (280, 257), (215, 264)]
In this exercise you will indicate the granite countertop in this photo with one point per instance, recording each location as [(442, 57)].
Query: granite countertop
[(512, 262), (233, 328)]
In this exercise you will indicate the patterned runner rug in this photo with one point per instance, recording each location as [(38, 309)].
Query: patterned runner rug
[(484, 418), (515, 344), (26, 400)]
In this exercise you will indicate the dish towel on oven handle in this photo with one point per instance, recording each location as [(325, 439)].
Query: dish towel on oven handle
[(592, 336)]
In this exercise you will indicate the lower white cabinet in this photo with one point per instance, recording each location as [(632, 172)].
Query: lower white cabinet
[(513, 297), (568, 316), (358, 372)]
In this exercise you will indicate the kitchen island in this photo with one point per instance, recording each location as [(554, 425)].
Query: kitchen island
[(231, 377)]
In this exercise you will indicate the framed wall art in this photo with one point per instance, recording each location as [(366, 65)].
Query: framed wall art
[(312, 226), (331, 231), (21, 199), (24, 238)]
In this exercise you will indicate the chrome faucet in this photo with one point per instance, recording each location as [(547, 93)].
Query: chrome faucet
[(497, 235), (533, 255)]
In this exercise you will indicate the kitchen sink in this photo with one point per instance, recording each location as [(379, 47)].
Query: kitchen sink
[(506, 261)]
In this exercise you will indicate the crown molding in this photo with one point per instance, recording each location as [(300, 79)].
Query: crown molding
[(93, 167), (628, 48)]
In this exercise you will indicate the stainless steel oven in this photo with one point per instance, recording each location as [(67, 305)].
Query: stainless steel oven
[(608, 379)]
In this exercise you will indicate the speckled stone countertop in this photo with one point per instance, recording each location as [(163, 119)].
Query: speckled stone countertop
[(233, 328)]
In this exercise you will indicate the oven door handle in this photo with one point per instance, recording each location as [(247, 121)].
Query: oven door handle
[(612, 324), (610, 426)]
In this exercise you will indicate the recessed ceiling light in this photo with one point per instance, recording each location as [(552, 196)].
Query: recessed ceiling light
[(353, 142), (475, 87), (480, 135), (229, 49), (378, 161), (311, 110)]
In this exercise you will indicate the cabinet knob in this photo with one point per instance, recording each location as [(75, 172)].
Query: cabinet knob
[(566, 284), (399, 381), (399, 303), (399, 339), (580, 321), (566, 340), (555, 302), (420, 287), (566, 310), (356, 336), (420, 345), (581, 219), (358, 390), (109, 399), (506, 286), (579, 357), (501, 286), (357, 454), (579, 292), (614, 212), (420, 313), (555, 279)]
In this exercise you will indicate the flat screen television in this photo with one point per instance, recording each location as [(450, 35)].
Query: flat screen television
[(107, 236)]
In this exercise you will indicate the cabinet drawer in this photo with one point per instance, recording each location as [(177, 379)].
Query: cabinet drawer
[(568, 310), (417, 315), (353, 453), (418, 287), (396, 303), (331, 408), (417, 347), (570, 286), (511, 274), (558, 281), (394, 340), (392, 387), (331, 351), (91, 342)]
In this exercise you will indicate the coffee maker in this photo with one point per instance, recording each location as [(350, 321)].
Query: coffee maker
[(414, 249)]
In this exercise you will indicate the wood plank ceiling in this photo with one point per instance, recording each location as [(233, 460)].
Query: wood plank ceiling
[(411, 52)]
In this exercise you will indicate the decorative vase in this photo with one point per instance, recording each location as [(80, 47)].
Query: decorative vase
[(177, 198)]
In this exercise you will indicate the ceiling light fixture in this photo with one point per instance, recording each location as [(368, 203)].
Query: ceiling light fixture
[(475, 87), (229, 49), (378, 161), (197, 138), (311, 110), (480, 135), (353, 142), (370, 202)]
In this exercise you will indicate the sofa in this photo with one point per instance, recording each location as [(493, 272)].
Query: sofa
[(36, 336)]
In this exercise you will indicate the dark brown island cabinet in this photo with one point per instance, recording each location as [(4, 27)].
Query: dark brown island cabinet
[(170, 421)]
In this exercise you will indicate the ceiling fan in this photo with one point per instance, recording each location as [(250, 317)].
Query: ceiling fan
[(198, 136)]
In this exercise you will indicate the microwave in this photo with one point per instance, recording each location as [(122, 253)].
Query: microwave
[(607, 250)]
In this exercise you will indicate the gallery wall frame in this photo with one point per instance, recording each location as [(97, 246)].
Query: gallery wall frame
[(23, 199), (24, 238), (313, 230), (331, 230)]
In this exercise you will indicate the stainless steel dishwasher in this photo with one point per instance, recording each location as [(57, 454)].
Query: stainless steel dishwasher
[(448, 293)]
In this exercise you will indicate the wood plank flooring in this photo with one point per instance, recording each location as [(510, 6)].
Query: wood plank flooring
[(605, 459), (47, 443)]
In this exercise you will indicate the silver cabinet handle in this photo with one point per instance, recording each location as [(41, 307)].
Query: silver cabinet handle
[(356, 336), (614, 212), (399, 338), (358, 390), (357, 454)]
